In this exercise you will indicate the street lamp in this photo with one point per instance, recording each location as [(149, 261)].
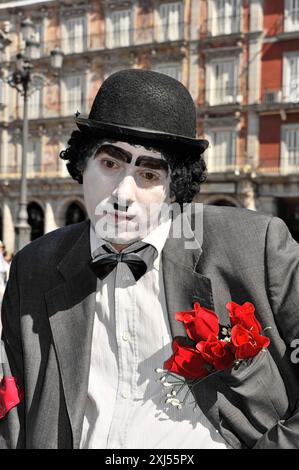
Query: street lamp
[(24, 81)]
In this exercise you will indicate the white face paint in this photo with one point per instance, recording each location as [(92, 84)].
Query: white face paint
[(126, 191)]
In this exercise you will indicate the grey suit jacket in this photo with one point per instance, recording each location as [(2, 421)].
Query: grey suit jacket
[(48, 312)]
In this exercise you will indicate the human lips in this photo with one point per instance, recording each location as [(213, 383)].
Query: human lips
[(121, 217)]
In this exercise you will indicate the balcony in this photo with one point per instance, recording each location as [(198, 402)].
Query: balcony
[(223, 95), (282, 98), (220, 166), (54, 109), (223, 25), (291, 21), (41, 171), (114, 40)]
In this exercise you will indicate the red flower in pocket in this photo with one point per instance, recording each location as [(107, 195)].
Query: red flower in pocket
[(199, 323), (243, 315), (186, 361), (247, 343), (216, 352), (10, 395)]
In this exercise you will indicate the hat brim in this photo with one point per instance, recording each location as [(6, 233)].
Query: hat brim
[(153, 137)]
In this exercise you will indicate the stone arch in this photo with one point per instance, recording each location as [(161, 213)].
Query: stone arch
[(63, 206), (36, 219), (75, 213)]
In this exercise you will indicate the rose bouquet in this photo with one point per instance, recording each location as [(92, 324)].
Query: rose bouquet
[(206, 350)]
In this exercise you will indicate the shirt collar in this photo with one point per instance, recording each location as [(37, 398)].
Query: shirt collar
[(156, 238)]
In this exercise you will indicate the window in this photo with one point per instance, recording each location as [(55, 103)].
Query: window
[(291, 78), (33, 155), (75, 35), (75, 94), (291, 16), (174, 70), (170, 21), (35, 104), (119, 28), (224, 16), (221, 155), (39, 37), (290, 149), (221, 84)]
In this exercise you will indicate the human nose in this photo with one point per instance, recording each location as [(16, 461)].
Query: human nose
[(125, 191)]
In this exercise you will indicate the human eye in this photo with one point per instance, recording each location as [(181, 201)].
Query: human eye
[(150, 176), (109, 164)]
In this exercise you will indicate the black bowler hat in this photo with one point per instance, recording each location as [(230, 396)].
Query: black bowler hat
[(145, 107)]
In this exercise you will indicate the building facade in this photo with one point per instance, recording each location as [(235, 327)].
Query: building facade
[(238, 58)]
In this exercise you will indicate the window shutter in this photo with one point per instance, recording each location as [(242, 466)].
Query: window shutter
[(293, 81), (75, 94), (174, 70), (220, 13), (222, 156), (125, 25), (164, 22), (75, 34), (174, 21), (120, 28)]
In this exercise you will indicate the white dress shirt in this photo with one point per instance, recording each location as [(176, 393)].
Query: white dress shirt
[(125, 406)]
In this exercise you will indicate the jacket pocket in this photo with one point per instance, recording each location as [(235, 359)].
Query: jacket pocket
[(259, 394), (249, 400)]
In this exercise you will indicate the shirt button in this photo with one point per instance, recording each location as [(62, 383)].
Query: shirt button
[(124, 394), (126, 336)]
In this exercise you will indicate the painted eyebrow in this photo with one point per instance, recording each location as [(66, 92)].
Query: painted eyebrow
[(152, 163), (125, 156), (116, 152)]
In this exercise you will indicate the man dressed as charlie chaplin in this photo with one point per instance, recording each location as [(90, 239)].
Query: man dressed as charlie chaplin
[(93, 312)]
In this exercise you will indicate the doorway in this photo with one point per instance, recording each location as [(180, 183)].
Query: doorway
[(288, 211)]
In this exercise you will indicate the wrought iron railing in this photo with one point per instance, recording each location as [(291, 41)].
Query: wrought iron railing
[(109, 40), (226, 94), (221, 25), (38, 171)]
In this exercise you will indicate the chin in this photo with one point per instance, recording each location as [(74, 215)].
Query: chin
[(122, 240)]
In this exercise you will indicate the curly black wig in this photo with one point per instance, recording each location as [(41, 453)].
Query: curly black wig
[(187, 173)]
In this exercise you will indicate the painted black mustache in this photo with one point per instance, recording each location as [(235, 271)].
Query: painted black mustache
[(118, 207)]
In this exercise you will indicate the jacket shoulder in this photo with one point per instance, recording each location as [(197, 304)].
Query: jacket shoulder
[(51, 247), (234, 226), (233, 215)]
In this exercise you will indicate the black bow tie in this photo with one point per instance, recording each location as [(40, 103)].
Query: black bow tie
[(102, 265)]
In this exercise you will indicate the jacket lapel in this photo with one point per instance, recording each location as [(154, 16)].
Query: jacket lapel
[(184, 285), (71, 307), (183, 282)]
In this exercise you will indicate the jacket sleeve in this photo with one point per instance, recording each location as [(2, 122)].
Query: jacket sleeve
[(12, 426), (282, 270)]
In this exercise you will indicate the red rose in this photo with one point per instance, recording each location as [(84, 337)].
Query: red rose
[(186, 361), (199, 323), (10, 395), (247, 343), (243, 315), (216, 352)]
